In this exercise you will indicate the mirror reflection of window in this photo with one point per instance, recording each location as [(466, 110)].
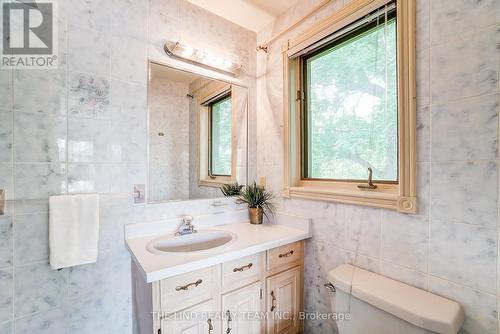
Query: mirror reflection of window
[(197, 135), (220, 137)]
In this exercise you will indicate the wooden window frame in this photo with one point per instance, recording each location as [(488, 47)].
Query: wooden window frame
[(400, 196), (213, 92)]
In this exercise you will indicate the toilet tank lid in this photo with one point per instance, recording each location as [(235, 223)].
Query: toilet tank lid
[(418, 307)]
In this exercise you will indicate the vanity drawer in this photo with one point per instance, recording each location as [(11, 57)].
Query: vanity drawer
[(188, 289), (242, 271), (283, 255)]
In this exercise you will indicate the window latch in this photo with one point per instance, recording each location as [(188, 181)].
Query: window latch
[(370, 184)]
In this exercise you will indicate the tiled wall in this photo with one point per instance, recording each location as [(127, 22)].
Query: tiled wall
[(82, 128), (168, 153), (451, 246)]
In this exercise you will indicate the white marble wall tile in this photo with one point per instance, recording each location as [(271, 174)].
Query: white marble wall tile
[(110, 273), (39, 288), (162, 26), (423, 24), (38, 181), (458, 70), (448, 21), (131, 19), (464, 192), (5, 89), (95, 14), (423, 134), (404, 239), (89, 140), (27, 206), (54, 321), (129, 59), (47, 91), (128, 101), (465, 129), (88, 178), (309, 276), (7, 328), (5, 241), (480, 308), (6, 136), (126, 175), (89, 51), (39, 138), (31, 238), (352, 228), (88, 96), (423, 188), (6, 180), (128, 141), (465, 254), (110, 313), (6, 298), (406, 275)]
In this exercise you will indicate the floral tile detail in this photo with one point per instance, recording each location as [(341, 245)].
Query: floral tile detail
[(89, 96)]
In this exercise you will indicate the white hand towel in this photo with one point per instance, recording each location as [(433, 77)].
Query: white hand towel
[(73, 230)]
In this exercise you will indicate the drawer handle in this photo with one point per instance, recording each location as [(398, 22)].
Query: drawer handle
[(273, 301), (229, 319), (248, 266), (287, 254), (187, 286), (210, 327)]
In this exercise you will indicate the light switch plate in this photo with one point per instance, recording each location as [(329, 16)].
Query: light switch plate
[(139, 193)]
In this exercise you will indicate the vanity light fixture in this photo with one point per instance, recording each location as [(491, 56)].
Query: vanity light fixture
[(187, 53)]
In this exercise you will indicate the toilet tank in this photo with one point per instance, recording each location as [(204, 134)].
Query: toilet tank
[(372, 303)]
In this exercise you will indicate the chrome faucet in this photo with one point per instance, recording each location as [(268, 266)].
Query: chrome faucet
[(186, 227)]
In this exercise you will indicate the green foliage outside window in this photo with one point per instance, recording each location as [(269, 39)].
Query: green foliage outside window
[(352, 108), (221, 137)]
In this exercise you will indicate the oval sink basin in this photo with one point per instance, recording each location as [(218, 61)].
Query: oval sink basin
[(199, 241)]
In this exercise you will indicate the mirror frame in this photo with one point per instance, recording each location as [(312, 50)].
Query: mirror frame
[(202, 73)]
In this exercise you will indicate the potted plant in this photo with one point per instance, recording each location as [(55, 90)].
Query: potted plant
[(231, 189), (259, 202)]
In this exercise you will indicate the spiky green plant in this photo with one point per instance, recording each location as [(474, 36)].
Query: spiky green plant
[(231, 189), (256, 196)]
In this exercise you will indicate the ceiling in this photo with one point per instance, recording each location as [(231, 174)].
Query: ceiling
[(251, 14)]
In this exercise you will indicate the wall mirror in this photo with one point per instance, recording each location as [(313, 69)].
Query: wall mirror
[(197, 135)]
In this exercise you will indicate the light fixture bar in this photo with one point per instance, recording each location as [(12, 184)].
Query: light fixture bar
[(198, 57)]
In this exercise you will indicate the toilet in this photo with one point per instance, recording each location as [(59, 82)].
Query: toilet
[(371, 303)]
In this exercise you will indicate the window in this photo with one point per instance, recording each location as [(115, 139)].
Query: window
[(349, 106), (217, 113), (220, 137)]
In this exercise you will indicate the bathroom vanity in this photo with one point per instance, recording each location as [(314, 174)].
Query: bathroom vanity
[(252, 284)]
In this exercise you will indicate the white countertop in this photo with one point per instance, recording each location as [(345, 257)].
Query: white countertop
[(250, 239)]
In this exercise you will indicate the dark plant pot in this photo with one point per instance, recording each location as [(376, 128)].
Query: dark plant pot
[(255, 215)]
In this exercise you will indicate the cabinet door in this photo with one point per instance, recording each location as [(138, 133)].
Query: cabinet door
[(242, 310), (283, 302), (200, 319)]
